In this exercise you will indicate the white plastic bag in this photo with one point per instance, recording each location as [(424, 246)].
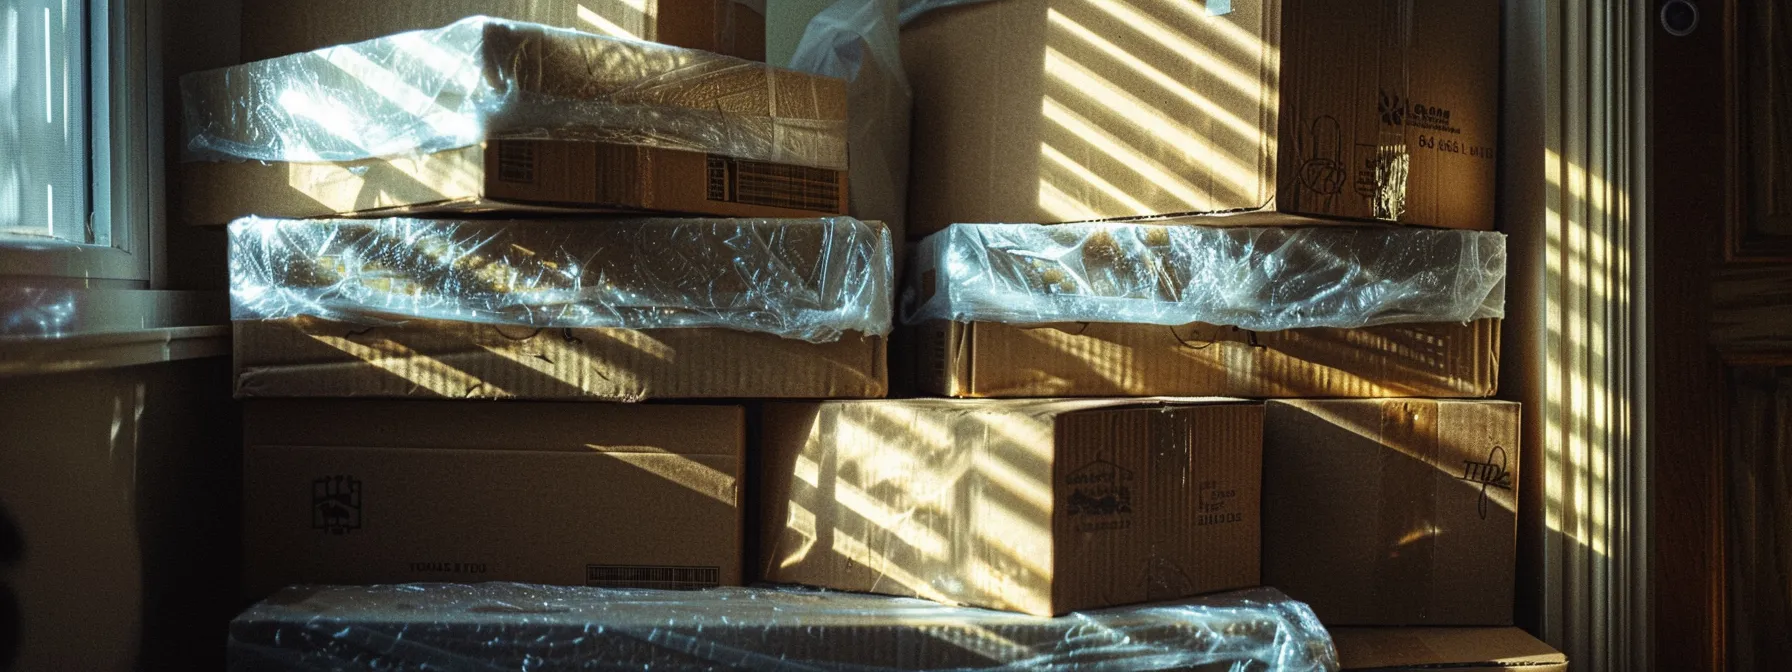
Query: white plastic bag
[(914, 8), (858, 40)]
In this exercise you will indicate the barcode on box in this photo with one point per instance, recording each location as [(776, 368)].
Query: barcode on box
[(652, 576), (516, 162), (773, 184), (937, 356)]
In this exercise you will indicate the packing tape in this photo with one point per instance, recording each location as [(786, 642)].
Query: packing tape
[(1408, 510)]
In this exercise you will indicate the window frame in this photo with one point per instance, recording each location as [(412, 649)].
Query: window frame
[(125, 162)]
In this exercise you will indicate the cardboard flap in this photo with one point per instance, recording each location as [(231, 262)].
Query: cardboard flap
[(985, 359), (1442, 648), (552, 427), (308, 357)]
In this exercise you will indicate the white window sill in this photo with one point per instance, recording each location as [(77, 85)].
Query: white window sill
[(55, 258), (53, 330)]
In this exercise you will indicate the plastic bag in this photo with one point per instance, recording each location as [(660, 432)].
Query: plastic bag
[(857, 40), (912, 9)]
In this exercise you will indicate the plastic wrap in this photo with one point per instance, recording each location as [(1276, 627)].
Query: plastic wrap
[(480, 78), (858, 41), (1258, 278), (808, 279), (913, 9), (498, 626)]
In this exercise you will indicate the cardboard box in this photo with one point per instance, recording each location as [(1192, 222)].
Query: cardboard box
[(1067, 110), (312, 357), (1454, 649), (279, 27), (510, 80), (982, 359), (1393, 511), (1037, 506), (356, 492), (511, 176), (767, 127)]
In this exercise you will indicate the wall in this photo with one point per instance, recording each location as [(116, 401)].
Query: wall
[(195, 255), (118, 517)]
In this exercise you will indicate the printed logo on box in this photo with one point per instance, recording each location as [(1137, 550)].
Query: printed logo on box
[(1397, 110), (1100, 489), (1491, 473), (336, 504), (1217, 505)]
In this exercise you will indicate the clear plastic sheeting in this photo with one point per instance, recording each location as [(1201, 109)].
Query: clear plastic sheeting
[(1258, 278), (498, 626), (482, 78), (913, 9), (808, 279), (858, 41)]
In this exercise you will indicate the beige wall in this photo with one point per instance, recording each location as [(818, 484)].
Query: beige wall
[(119, 493), (196, 35)]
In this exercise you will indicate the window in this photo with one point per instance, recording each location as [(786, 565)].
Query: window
[(48, 173), (75, 154)]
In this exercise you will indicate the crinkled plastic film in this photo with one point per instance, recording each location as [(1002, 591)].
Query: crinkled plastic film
[(1258, 278), (496, 626), (913, 9), (858, 41), (482, 78), (808, 279)]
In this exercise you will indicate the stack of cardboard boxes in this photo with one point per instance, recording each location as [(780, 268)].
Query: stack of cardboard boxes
[(1046, 465), (1376, 483), (430, 363), (1387, 481)]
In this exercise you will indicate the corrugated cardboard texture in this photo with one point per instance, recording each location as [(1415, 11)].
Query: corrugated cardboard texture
[(1393, 511), (1067, 110), (394, 492), (515, 176), (1097, 359), (1390, 110), (279, 27), (1454, 649), (312, 357), (1038, 506)]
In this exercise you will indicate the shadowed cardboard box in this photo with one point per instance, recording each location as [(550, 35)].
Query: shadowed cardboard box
[(984, 359), (1288, 110), (1453, 649), (355, 492), (1393, 511), (511, 176), (279, 27), (313, 357), (1036, 506)]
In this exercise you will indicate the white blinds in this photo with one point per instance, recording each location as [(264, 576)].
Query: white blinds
[(44, 151)]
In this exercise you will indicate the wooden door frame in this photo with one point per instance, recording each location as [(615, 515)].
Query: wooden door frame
[(1691, 165)]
